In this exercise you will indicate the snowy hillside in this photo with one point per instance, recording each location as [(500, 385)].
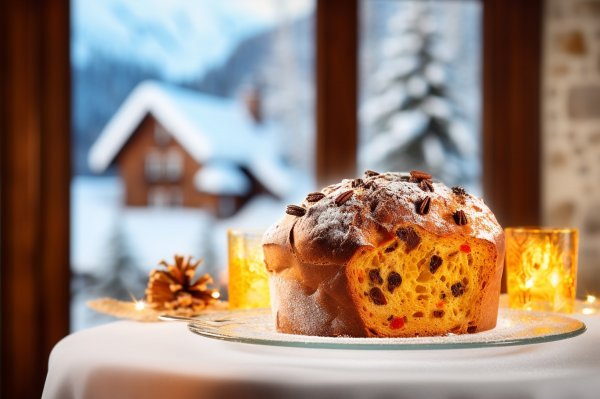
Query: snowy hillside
[(179, 38)]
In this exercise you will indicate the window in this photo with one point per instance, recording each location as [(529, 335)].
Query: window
[(159, 197), (511, 127), (153, 166), (176, 197), (173, 165), (206, 72), (165, 197)]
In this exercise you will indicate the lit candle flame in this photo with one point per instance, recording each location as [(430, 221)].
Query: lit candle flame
[(554, 279), (529, 283), (216, 295)]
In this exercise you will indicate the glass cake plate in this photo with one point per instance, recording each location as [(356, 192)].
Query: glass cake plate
[(514, 327)]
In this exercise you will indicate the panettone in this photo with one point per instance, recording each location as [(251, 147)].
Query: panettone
[(389, 255)]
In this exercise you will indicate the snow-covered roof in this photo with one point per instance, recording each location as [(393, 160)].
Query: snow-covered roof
[(210, 128), (222, 178)]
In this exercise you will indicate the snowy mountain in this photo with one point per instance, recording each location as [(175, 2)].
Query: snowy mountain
[(179, 38), (108, 59)]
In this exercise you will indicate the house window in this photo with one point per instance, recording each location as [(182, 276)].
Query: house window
[(176, 197), (158, 197), (173, 165), (153, 166), (163, 197), (161, 136)]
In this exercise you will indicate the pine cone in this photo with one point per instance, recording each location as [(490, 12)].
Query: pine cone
[(173, 289)]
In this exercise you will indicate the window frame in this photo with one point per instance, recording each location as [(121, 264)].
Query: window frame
[(35, 150), (35, 171)]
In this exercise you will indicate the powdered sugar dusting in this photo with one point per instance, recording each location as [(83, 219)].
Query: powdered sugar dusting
[(285, 296), (515, 327), (387, 200)]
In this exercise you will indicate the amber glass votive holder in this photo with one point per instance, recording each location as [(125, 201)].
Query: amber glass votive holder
[(248, 281), (541, 268)]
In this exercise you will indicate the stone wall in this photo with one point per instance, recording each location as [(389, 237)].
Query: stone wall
[(571, 128)]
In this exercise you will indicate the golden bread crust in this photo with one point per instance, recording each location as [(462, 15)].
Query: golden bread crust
[(310, 255)]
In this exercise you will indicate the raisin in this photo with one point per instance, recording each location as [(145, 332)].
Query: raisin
[(457, 289), (435, 263), (443, 295), (375, 277), (410, 237), (377, 296), (471, 329), (438, 313), (394, 280), (391, 248)]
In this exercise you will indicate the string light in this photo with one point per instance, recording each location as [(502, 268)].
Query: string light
[(140, 305)]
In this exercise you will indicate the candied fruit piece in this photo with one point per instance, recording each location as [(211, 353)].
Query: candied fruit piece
[(465, 248), (397, 323)]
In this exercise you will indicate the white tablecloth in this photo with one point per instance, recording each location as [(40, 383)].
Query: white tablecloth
[(165, 360)]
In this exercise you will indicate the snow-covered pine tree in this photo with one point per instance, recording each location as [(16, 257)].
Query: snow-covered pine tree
[(122, 278), (410, 121)]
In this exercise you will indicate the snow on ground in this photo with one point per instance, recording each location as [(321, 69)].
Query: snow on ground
[(95, 204), (148, 235), (153, 234)]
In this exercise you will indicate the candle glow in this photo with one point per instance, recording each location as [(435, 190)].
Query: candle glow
[(541, 268), (248, 280)]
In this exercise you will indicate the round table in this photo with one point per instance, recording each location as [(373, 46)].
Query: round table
[(164, 360)]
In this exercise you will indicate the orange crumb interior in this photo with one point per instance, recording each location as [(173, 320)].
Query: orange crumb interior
[(432, 287)]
